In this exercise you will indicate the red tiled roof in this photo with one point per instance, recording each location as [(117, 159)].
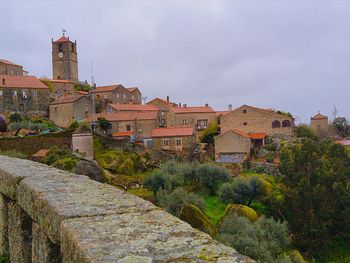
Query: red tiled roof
[(220, 113), (242, 133), (7, 62), (344, 142), (58, 80), (179, 110), (67, 99), (133, 107), (172, 132), (107, 88), (126, 116), (132, 89), (122, 134), (257, 135), (168, 102), (41, 153), (81, 92), (25, 82), (319, 116), (61, 39)]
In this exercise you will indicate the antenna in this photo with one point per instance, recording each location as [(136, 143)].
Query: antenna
[(144, 100), (93, 85), (64, 31), (334, 112)]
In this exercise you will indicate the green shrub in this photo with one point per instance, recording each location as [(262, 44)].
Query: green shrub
[(197, 219), (239, 210), (263, 240), (209, 133), (55, 153), (304, 131), (175, 200), (4, 259), (67, 164)]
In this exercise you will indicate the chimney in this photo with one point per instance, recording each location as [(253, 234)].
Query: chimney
[(230, 107), (167, 98), (206, 105), (180, 104), (185, 105)]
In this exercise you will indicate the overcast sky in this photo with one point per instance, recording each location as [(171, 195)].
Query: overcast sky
[(288, 55)]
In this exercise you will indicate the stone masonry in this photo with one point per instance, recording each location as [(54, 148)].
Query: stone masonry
[(49, 215)]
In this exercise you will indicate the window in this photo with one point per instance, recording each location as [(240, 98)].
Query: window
[(244, 111), (184, 122), (105, 97), (15, 93), (276, 124), (3, 81), (24, 93), (60, 47), (202, 124), (166, 142), (245, 123), (124, 96), (128, 127), (118, 96), (132, 97), (286, 123), (178, 142), (0, 93), (34, 93)]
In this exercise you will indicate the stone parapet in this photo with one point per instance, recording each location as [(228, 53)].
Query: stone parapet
[(49, 215)]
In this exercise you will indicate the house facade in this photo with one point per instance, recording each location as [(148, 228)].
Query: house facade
[(68, 109), (176, 139), (25, 95), (9, 68), (319, 124), (59, 88), (255, 120)]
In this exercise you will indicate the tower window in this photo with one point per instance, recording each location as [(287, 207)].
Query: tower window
[(244, 111), (60, 47), (73, 48), (245, 123), (3, 81)]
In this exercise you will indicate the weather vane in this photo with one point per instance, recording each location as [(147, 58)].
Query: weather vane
[(64, 31)]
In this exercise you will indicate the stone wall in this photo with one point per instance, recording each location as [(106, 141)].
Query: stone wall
[(48, 215)]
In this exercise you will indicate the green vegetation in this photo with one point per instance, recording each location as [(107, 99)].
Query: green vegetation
[(209, 133), (341, 126), (4, 259), (82, 87), (14, 154), (15, 117), (61, 158), (264, 240), (104, 124), (239, 210), (214, 208), (304, 131)]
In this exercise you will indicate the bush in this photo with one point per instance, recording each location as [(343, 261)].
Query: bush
[(263, 240), (163, 181), (4, 259), (197, 219), (239, 210), (210, 177), (67, 164), (209, 133), (175, 200), (242, 190), (304, 131)]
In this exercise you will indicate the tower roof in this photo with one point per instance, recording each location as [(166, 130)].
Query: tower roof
[(319, 116), (62, 39)]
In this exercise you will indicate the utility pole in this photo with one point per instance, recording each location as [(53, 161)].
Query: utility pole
[(93, 86)]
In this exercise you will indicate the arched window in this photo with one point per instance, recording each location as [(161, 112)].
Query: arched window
[(276, 124), (3, 81), (286, 123), (60, 47)]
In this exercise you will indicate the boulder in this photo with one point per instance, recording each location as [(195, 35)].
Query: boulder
[(90, 169), (240, 210)]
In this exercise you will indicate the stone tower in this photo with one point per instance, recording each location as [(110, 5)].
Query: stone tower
[(64, 59), (319, 123)]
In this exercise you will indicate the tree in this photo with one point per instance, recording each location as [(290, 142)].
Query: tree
[(242, 190), (104, 124), (15, 117), (263, 240), (341, 126), (316, 192), (304, 131), (209, 133)]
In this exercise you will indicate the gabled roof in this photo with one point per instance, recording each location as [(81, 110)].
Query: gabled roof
[(257, 135), (126, 116), (133, 107), (266, 111), (132, 89), (180, 110), (7, 62), (319, 116), (107, 88), (163, 101), (67, 99), (61, 39), (24, 82), (172, 132)]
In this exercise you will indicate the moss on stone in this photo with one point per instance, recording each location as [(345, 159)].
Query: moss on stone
[(240, 210), (296, 257), (197, 219)]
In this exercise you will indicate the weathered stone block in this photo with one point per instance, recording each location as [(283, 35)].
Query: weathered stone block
[(43, 250), (4, 243), (20, 234), (153, 236), (51, 199)]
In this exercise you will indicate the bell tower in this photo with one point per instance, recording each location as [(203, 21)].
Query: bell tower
[(64, 59)]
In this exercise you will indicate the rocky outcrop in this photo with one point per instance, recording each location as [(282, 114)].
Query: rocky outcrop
[(49, 215)]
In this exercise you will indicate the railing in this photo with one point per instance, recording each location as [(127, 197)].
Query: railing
[(48, 215)]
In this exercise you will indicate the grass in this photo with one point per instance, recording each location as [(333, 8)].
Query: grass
[(142, 193), (214, 208), (14, 154)]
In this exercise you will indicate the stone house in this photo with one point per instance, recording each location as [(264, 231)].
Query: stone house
[(164, 106), (139, 125), (173, 138), (118, 107), (70, 108), (198, 117), (250, 119), (25, 95), (319, 124), (105, 95), (9, 68), (232, 142), (59, 87)]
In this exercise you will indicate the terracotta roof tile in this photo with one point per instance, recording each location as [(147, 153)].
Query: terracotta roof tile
[(220, 113), (41, 153), (67, 99), (132, 89), (179, 110), (122, 134), (319, 116), (172, 132), (168, 102), (7, 62), (107, 88), (125, 116), (61, 39), (257, 135), (27, 82), (58, 80), (133, 107), (242, 133)]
